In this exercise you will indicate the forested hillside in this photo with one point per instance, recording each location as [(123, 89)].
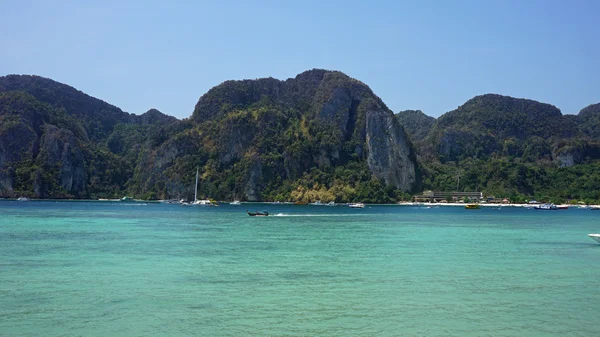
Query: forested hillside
[(511, 147), (320, 135)]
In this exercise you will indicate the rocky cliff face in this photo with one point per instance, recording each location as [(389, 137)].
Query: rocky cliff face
[(341, 114), (389, 153), (28, 138), (17, 143), (59, 148), (255, 136), (52, 134), (319, 135)]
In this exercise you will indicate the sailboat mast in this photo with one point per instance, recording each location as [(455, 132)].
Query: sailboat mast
[(196, 190)]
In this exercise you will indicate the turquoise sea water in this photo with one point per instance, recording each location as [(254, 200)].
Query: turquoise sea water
[(115, 269)]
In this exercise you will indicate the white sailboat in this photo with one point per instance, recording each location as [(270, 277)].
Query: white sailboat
[(203, 202)]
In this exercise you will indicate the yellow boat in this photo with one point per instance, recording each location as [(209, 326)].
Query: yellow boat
[(472, 206)]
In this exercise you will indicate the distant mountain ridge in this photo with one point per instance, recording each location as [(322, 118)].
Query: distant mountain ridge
[(53, 140), (261, 131), (322, 131), (321, 135), (509, 146)]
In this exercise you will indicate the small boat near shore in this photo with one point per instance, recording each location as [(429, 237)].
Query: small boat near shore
[(472, 206), (23, 199), (546, 207), (357, 205), (258, 213), (595, 237), (205, 202)]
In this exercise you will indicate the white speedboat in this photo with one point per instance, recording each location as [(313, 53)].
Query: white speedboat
[(331, 203), (595, 237), (546, 207), (23, 199), (235, 203), (317, 203), (357, 205)]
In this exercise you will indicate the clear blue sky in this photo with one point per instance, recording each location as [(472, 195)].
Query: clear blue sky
[(428, 55)]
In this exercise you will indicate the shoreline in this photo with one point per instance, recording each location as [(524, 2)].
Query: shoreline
[(401, 203), (455, 204)]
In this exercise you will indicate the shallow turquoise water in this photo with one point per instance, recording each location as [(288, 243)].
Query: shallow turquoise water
[(113, 269)]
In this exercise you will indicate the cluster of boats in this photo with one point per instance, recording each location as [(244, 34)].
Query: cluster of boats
[(202, 202), (198, 202), (332, 203), (542, 207)]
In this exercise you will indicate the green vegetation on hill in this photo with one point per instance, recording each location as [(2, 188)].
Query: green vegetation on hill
[(56, 142), (490, 124), (589, 118), (518, 181), (513, 148), (416, 123), (302, 140), (319, 136)]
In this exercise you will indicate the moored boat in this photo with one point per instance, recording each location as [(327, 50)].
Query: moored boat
[(202, 202), (472, 206), (23, 199), (546, 207), (235, 203), (595, 237), (357, 205)]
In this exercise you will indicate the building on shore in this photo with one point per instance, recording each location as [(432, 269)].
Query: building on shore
[(438, 196), (493, 200)]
